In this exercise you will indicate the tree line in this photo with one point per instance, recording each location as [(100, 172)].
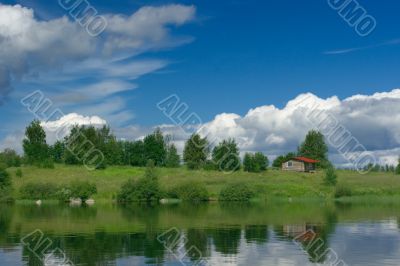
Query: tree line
[(197, 153)]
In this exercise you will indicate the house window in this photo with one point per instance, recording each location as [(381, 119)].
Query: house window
[(290, 164)]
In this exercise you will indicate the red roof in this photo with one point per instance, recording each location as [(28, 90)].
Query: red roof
[(305, 159)]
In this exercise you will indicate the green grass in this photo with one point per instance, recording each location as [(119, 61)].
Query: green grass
[(267, 185)]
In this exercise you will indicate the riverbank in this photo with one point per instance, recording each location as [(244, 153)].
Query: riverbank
[(267, 185)]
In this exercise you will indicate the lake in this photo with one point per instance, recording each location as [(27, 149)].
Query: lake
[(311, 233)]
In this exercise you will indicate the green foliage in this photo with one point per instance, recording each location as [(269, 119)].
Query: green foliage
[(36, 191), (18, 173), (5, 179), (34, 144), (256, 163), (277, 163), (155, 148), (134, 152), (146, 188), (236, 192), (173, 159), (10, 158), (57, 151), (82, 189), (342, 190), (190, 191), (330, 176), (314, 147), (196, 152), (226, 156), (398, 169)]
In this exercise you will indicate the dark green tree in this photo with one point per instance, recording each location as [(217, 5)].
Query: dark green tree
[(248, 162), (10, 158), (196, 152), (155, 147), (314, 147), (255, 163), (226, 156), (35, 148), (173, 159), (136, 153), (57, 151)]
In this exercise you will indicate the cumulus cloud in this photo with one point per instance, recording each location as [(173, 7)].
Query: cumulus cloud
[(374, 120), (29, 46)]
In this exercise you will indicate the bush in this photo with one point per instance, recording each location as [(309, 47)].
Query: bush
[(342, 191), (18, 173), (210, 166), (255, 163), (35, 191), (236, 192), (330, 176), (5, 185), (191, 191), (144, 189), (82, 190)]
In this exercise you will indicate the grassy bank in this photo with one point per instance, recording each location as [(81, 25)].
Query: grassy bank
[(267, 185)]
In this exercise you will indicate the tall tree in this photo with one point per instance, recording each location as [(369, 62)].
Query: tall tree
[(173, 159), (314, 147), (196, 151), (226, 155), (256, 163), (155, 148), (35, 148)]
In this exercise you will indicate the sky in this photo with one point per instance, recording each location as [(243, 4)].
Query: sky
[(238, 65)]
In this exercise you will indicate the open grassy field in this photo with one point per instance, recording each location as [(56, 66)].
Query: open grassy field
[(269, 184)]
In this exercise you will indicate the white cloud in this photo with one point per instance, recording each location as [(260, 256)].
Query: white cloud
[(374, 120), (31, 48)]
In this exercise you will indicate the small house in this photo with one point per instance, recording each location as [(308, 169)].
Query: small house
[(300, 164)]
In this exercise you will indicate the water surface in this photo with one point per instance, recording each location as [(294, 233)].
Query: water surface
[(211, 234)]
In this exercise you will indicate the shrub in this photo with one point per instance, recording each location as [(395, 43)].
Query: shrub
[(330, 176), (35, 191), (236, 192), (18, 173), (5, 185), (342, 191), (144, 189), (191, 191), (64, 194), (82, 189)]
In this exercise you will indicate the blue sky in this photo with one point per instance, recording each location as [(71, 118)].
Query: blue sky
[(229, 57)]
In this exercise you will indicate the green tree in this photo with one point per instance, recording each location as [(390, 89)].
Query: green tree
[(57, 151), (136, 153), (155, 147), (398, 168), (256, 163), (314, 147), (10, 158), (35, 148), (226, 156), (196, 152), (248, 162), (5, 185), (173, 159), (261, 161)]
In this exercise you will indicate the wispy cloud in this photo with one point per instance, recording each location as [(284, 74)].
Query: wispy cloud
[(361, 48)]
